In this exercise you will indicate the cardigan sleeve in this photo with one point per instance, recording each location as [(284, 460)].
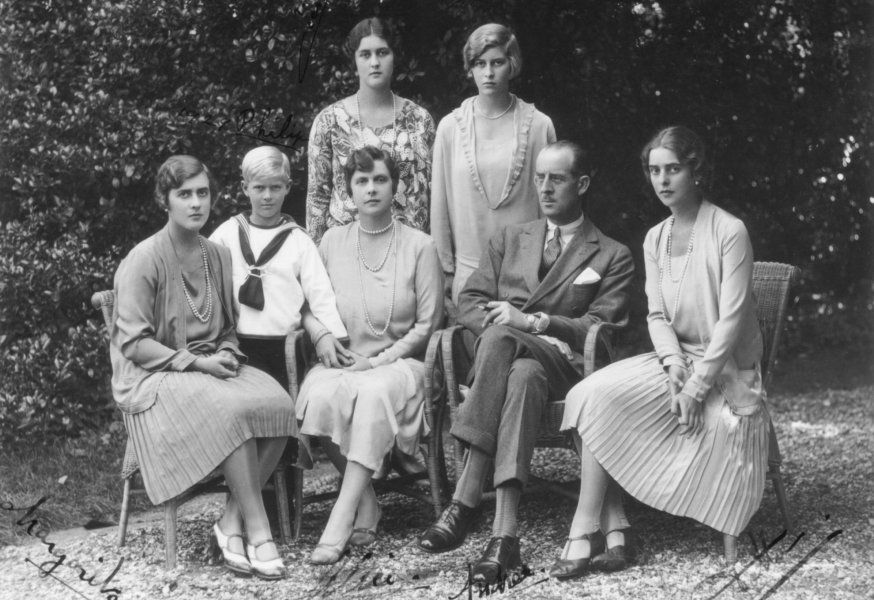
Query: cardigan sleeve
[(319, 175), (735, 291), (664, 338), (428, 284), (441, 223), (136, 288)]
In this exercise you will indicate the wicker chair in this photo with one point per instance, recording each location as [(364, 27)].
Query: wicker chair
[(444, 393), (299, 356), (771, 284), (212, 483)]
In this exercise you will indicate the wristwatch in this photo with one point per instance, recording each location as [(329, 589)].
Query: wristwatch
[(538, 322)]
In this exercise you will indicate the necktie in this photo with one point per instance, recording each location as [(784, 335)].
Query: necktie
[(550, 253)]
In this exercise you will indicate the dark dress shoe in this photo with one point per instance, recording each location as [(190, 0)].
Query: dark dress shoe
[(501, 557), (569, 568), (613, 559), (450, 529)]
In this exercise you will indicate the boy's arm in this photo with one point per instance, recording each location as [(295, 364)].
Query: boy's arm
[(316, 286)]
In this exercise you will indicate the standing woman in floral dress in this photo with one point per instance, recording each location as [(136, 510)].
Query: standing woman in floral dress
[(484, 157), (372, 116)]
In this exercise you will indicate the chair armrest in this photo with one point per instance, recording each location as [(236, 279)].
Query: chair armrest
[(598, 331), (433, 376), (295, 360), (450, 337)]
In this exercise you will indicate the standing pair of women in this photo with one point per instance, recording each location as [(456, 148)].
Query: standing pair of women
[(483, 159)]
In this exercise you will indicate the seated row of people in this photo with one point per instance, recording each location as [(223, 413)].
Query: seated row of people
[(198, 322)]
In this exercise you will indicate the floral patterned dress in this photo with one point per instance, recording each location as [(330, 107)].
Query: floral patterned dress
[(336, 134)]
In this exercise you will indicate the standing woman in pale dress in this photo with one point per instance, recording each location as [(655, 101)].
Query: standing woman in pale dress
[(189, 403), (484, 157), (374, 115), (682, 429), (389, 289)]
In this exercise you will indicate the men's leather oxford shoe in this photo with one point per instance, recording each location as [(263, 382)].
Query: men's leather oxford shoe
[(501, 557), (450, 529)]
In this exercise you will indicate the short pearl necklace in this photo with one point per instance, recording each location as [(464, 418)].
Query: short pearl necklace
[(206, 314), (394, 117), (667, 269), (376, 231), (496, 117), (362, 261)]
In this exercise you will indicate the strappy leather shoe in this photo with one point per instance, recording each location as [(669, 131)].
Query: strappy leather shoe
[(569, 568), (365, 536), (266, 569), (328, 554), (500, 557), (450, 529), (613, 559), (234, 561)]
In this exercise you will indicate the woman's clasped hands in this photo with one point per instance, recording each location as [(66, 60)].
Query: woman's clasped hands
[(223, 364), (688, 410)]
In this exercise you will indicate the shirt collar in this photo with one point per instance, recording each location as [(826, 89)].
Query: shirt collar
[(566, 230)]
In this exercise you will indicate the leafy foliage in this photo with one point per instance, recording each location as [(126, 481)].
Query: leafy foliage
[(96, 94)]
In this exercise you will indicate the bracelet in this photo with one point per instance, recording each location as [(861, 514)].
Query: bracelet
[(320, 335)]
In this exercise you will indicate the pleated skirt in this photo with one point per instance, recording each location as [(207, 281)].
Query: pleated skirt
[(365, 412), (197, 420), (717, 477)]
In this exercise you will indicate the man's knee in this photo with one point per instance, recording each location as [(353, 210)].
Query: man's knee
[(527, 372), (494, 338)]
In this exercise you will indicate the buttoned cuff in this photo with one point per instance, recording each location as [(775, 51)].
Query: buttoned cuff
[(674, 359)]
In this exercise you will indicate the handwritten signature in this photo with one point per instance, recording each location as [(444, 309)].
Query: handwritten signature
[(760, 555), (507, 582), (246, 123), (308, 39), (356, 576), (47, 568)]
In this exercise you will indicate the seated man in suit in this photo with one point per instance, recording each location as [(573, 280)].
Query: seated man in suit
[(538, 289)]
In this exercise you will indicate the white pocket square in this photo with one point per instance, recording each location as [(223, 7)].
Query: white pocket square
[(587, 276)]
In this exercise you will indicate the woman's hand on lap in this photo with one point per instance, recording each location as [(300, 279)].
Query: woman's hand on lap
[(689, 413), (217, 365), (331, 352), (359, 363), (677, 375)]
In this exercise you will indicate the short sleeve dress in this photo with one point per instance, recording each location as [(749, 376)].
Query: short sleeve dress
[(707, 321), (336, 133)]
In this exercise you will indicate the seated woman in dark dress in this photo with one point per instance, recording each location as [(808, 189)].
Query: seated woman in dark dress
[(189, 404)]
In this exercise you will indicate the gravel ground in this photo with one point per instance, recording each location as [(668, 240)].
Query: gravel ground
[(826, 440)]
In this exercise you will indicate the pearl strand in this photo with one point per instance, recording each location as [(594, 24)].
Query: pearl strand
[(496, 117), (391, 306), (205, 316), (667, 268), (387, 248)]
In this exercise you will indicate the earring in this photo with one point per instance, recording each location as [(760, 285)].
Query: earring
[(697, 182)]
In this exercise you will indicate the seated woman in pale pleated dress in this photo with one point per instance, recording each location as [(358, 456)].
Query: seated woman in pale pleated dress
[(363, 401), (682, 429), (189, 404)]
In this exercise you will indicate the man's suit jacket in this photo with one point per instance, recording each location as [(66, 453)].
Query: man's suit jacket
[(509, 270)]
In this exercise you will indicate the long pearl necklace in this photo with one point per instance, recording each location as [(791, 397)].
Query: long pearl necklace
[(206, 314), (667, 269), (496, 117), (362, 261), (394, 118)]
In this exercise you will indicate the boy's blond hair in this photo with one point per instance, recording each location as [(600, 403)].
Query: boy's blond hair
[(265, 162)]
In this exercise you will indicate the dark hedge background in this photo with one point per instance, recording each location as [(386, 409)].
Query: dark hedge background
[(95, 95)]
